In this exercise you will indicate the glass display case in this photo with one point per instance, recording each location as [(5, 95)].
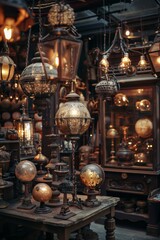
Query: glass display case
[(132, 163), (134, 116)]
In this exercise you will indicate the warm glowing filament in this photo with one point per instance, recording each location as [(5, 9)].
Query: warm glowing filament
[(7, 33), (56, 61), (158, 60)]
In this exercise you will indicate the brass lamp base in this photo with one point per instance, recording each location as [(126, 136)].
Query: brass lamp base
[(65, 213), (43, 209), (26, 204), (91, 200)]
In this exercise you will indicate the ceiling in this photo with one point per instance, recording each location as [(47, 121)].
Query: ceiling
[(95, 16)]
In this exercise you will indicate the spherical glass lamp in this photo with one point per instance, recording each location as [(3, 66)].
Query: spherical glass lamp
[(92, 176), (7, 67), (26, 171), (37, 79), (73, 118)]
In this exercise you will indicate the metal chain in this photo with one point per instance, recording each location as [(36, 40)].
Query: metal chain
[(29, 39), (28, 46), (40, 20)]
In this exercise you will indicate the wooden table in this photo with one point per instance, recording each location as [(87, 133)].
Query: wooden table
[(63, 228)]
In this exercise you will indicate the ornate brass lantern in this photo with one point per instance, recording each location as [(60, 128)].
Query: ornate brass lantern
[(37, 79), (60, 45), (7, 66), (25, 133), (154, 55)]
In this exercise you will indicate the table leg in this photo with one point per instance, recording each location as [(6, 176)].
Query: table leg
[(63, 235), (109, 225)]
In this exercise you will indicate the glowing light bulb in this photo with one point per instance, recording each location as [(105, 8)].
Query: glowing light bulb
[(158, 60), (7, 33), (126, 61), (142, 63), (104, 64), (56, 62), (127, 32)]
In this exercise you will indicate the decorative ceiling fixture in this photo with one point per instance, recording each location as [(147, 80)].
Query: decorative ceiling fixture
[(7, 66), (38, 79), (125, 61), (62, 45), (15, 17), (154, 55)]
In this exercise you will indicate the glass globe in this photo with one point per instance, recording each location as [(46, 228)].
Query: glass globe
[(42, 193), (72, 118), (92, 176), (25, 171)]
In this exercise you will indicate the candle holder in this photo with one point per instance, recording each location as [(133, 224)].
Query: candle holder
[(66, 187), (40, 159), (112, 134)]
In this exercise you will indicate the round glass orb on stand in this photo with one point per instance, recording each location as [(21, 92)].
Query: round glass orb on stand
[(92, 176), (42, 193), (26, 171), (73, 119)]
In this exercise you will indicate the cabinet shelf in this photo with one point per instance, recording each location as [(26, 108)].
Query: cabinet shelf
[(134, 217)]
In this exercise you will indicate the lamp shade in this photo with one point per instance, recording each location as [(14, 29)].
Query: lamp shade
[(7, 67), (154, 55)]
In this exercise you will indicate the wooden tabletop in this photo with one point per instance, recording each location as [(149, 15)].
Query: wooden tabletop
[(48, 222)]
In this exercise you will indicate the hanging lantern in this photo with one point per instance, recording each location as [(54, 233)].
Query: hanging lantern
[(25, 132), (37, 79), (14, 14), (7, 66), (154, 55), (62, 46), (73, 118), (107, 87)]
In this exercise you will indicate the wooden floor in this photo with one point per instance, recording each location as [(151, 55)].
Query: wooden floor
[(125, 230)]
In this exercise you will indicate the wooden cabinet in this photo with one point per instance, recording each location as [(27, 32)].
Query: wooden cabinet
[(132, 165)]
